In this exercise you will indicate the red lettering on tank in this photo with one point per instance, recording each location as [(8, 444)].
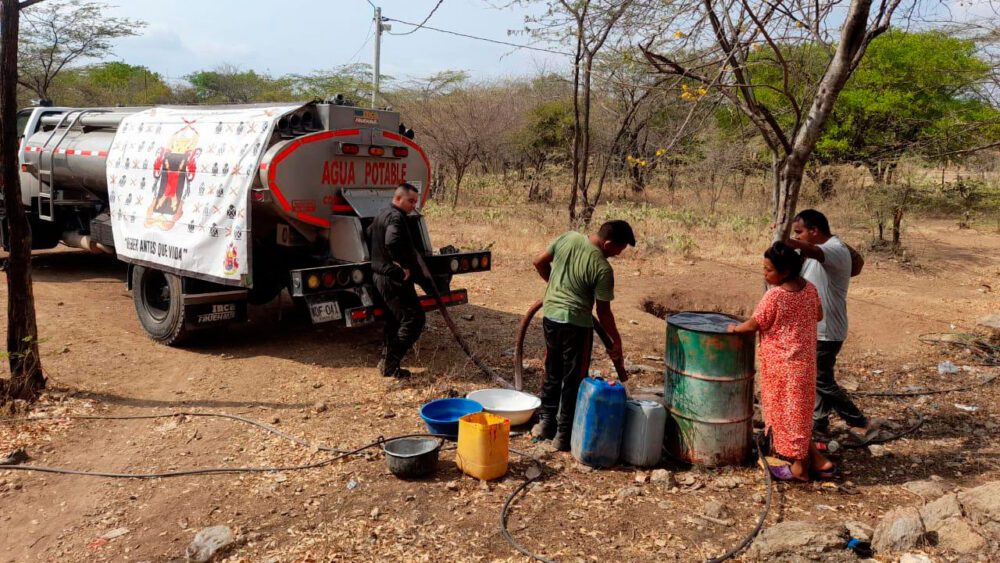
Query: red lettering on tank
[(385, 173), (338, 173)]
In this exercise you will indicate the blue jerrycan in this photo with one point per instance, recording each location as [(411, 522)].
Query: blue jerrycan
[(599, 422)]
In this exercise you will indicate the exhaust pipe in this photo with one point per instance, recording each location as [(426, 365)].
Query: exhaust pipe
[(74, 239)]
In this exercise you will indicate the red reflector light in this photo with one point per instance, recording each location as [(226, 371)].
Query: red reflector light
[(464, 265), (376, 151), (348, 148), (258, 195), (400, 152), (359, 314), (328, 279), (24, 168)]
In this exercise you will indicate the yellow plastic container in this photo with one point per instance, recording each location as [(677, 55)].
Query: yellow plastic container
[(483, 445)]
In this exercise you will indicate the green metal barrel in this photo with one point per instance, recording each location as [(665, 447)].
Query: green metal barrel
[(708, 389)]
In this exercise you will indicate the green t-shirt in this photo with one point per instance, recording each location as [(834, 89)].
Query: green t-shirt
[(580, 274)]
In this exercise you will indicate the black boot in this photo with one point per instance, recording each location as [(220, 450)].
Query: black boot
[(561, 441), (546, 427)]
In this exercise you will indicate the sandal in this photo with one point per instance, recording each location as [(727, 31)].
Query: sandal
[(825, 475), (784, 473)]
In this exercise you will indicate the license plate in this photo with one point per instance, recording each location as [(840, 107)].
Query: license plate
[(324, 312)]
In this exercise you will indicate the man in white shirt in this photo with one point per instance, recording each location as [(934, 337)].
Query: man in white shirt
[(829, 267)]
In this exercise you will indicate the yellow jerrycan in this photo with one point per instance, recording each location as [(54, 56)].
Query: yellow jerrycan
[(483, 445)]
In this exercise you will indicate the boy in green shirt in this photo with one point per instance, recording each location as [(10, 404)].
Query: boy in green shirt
[(578, 273)]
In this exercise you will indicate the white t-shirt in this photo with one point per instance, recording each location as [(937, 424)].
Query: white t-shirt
[(831, 278)]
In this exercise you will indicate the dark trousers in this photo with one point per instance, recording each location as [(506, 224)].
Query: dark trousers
[(404, 319), (831, 397), (567, 360)]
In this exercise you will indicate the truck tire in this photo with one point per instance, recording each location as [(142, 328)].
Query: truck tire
[(159, 303)]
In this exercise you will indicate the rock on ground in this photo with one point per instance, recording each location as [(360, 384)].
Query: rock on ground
[(795, 541), (899, 530), (944, 508), (927, 490), (956, 534), (982, 504)]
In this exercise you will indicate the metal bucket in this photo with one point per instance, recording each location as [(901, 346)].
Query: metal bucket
[(708, 389), (412, 457)]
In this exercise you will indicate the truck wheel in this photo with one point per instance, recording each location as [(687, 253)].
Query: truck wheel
[(159, 303)]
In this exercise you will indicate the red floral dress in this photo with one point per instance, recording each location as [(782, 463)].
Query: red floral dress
[(787, 356)]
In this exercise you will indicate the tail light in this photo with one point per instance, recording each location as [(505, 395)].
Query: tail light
[(328, 279), (313, 281), (485, 261), (357, 276), (400, 152), (376, 151), (349, 148), (453, 265), (343, 276), (465, 264)]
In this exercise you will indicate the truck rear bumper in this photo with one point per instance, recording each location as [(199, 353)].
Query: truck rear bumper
[(359, 316)]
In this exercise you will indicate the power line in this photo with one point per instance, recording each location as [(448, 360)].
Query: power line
[(372, 5), (498, 42), (421, 24), (358, 52)]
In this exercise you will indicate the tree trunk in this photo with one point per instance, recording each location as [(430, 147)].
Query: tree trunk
[(897, 225), (26, 377), (576, 123), (459, 174)]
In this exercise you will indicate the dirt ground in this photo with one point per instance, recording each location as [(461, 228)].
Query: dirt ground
[(278, 369)]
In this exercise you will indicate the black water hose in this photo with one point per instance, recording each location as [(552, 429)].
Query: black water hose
[(748, 539), (522, 332), (203, 471), (454, 329)]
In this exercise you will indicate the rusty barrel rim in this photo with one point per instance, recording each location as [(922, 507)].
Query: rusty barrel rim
[(681, 327)]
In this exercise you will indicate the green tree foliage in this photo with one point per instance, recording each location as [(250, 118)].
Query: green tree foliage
[(354, 81), (914, 94), (232, 85), (111, 84), (55, 35), (548, 132)]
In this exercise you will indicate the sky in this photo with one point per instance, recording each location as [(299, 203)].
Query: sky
[(299, 36)]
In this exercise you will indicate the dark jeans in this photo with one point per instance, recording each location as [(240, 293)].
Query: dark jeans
[(831, 397), (404, 319), (567, 359)]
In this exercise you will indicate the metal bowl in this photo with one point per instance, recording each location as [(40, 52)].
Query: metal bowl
[(412, 457)]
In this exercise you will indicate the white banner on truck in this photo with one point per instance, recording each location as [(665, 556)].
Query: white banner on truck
[(178, 184)]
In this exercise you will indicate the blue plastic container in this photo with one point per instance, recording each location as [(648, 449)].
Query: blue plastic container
[(441, 415), (599, 422)]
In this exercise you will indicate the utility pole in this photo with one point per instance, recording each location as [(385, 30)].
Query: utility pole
[(378, 46)]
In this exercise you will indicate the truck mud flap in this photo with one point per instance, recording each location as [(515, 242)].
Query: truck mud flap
[(205, 310)]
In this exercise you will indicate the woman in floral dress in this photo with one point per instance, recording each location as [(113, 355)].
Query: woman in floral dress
[(786, 318)]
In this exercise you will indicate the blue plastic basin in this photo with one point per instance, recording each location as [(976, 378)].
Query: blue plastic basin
[(441, 415)]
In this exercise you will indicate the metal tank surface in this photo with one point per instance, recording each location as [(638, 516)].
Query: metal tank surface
[(708, 388)]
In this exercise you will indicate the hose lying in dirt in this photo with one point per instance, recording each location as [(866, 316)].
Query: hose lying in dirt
[(988, 354), (733, 552), (454, 329), (916, 393), (261, 425), (748, 539), (892, 436)]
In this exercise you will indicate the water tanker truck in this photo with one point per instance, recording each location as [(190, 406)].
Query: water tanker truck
[(217, 207)]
